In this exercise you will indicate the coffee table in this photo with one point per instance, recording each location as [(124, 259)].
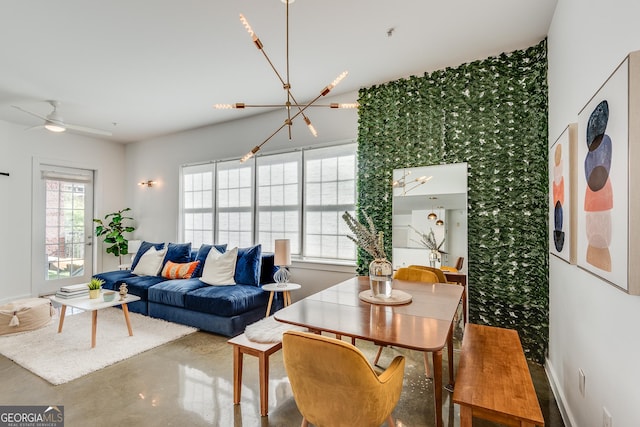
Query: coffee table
[(93, 305)]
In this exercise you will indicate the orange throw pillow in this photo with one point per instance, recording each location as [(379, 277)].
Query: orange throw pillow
[(173, 270)]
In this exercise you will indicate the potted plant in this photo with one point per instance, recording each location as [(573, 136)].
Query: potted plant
[(113, 228), (94, 287), (370, 240), (428, 240)]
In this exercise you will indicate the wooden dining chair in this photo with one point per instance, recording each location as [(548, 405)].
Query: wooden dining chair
[(333, 384)]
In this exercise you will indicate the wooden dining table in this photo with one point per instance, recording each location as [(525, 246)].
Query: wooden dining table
[(423, 324)]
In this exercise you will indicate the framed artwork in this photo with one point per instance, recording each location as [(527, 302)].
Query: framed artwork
[(608, 156), (562, 195)]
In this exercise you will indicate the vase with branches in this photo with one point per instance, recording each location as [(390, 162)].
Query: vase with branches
[(371, 241), (113, 228), (429, 241)]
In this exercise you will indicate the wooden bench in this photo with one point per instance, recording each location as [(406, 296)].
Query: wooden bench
[(493, 380), (241, 346)]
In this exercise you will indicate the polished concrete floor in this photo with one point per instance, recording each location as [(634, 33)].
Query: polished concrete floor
[(189, 382)]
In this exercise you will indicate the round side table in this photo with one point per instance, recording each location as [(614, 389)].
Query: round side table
[(285, 288)]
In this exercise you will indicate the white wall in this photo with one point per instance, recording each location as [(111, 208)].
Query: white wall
[(593, 326), (18, 148), (156, 208)]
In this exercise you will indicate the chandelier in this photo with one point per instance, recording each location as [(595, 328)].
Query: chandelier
[(404, 183), (291, 102)]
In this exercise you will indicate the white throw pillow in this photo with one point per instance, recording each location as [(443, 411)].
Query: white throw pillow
[(219, 269), (150, 262)]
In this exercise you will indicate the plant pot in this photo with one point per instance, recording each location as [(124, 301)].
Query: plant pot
[(94, 293), (380, 278)]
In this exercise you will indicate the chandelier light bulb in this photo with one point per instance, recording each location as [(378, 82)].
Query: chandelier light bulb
[(313, 130), (351, 105), (250, 154), (334, 83), (246, 25), (339, 79)]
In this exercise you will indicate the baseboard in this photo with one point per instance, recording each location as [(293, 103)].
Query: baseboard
[(565, 412)]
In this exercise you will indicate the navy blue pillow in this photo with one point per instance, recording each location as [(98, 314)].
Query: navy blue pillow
[(248, 266), (202, 256), (144, 247), (178, 253)]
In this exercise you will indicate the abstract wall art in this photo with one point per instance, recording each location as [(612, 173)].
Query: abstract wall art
[(608, 141), (562, 195)]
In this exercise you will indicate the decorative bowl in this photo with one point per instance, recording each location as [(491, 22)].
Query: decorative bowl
[(109, 296)]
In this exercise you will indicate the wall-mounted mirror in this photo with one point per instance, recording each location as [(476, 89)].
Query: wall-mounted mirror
[(430, 198)]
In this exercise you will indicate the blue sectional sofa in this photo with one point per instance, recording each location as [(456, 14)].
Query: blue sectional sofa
[(224, 310)]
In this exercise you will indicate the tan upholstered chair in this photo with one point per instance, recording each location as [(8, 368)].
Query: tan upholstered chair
[(439, 273), (415, 275), (334, 385)]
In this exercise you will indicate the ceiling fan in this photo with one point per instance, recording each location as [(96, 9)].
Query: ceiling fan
[(55, 123)]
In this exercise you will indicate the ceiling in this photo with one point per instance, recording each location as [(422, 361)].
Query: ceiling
[(146, 68)]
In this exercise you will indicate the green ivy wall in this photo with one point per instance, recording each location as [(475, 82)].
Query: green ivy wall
[(491, 114)]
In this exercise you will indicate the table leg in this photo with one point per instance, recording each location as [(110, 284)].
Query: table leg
[(464, 306), (237, 374), (466, 415), (450, 357), (269, 305), (125, 310), (287, 298), (263, 361), (94, 327), (63, 311), (437, 385)]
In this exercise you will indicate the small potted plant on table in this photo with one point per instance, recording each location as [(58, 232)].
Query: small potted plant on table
[(94, 287)]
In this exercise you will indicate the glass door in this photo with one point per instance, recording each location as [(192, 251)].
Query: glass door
[(63, 228)]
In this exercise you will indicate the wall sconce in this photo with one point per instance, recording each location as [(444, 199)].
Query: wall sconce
[(147, 183)]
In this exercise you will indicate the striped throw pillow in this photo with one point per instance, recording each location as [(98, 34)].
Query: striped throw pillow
[(174, 270)]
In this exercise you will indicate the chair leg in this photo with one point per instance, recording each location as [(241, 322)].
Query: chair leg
[(426, 365), (305, 423), (375, 361)]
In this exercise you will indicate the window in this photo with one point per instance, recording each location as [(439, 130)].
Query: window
[(298, 195), (235, 203), (197, 212), (330, 190), (279, 199)]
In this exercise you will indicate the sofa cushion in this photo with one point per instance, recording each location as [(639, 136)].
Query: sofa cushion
[(219, 268), (248, 265), (139, 285), (173, 292), (174, 270), (144, 247), (178, 253), (202, 256), (150, 262), (113, 279), (226, 300)]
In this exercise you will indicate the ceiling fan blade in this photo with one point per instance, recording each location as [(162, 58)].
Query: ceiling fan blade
[(87, 129), (35, 127), (29, 112)]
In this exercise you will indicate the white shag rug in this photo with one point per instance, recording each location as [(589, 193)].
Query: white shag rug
[(269, 330), (62, 357)]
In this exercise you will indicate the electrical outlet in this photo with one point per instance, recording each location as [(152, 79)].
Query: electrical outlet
[(607, 419), (581, 381)]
